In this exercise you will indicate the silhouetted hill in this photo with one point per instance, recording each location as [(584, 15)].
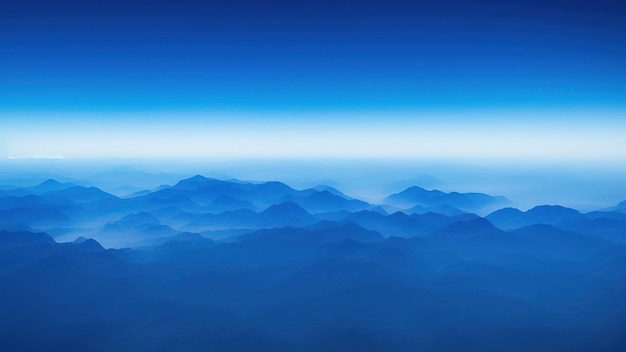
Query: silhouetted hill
[(506, 218), (287, 213), (559, 242), (290, 244), (509, 218), (442, 209), (23, 238), (621, 207), (403, 225), (89, 246), (205, 190), (164, 198), (418, 197), (48, 185), (332, 190), (325, 201), (196, 182), (604, 227), (226, 203), (80, 194), (131, 229), (551, 214), (270, 190), (614, 215), (35, 201)]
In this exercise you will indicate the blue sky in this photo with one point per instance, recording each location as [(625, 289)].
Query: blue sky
[(520, 79)]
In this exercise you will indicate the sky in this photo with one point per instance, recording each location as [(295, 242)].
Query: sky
[(503, 80)]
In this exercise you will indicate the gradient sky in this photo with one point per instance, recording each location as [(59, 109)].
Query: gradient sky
[(242, 78)]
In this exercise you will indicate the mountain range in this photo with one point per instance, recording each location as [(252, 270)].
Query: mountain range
[(209, 264)]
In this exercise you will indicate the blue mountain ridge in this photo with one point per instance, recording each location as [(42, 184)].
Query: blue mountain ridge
[(420, 198), (232, 265)]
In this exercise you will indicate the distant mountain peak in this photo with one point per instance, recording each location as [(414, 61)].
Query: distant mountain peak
[(48, 185), (80, 193), (89, 245), (398, 215), (331, 190), (287, 207), (50, 182), (21, 238), (508, 211), (553, 209), (549, 206), (511, 218), (413, 190), (468, 202), (80, 239), (193, 182), (275, 187), (197, 178), (286, 213)]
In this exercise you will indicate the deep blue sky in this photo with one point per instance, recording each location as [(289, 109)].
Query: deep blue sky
[(310, 55), (251, 78)]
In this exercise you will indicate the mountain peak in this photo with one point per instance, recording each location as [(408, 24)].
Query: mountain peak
[(193, 182), (197, 178), (50, 182), (286, 213), (331, 190), (288, 207), (274, 187), (89, 245), (80, 239), (467, 202), (553, 209), (48, 186), (415, 190), (508, 211)]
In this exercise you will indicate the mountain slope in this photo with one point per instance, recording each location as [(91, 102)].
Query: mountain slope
[(416, 196), (510, 218)]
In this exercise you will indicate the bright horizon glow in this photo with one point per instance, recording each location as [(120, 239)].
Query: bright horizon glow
[(522, 135)]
